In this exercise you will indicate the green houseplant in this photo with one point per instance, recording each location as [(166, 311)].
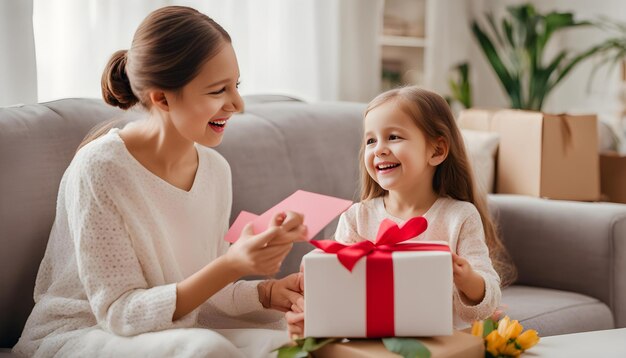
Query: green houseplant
[(612, 50), (612, 53), (460, 86), (515, 50)]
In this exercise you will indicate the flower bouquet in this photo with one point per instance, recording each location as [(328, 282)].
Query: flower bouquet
[(504, 338)]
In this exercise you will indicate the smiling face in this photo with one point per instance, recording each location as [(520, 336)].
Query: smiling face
[(397, 155), (201, 110)]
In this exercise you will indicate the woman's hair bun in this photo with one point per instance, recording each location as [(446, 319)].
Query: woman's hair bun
[(116, 89)]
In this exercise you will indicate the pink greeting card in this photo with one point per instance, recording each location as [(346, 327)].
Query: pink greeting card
[(318, 210)]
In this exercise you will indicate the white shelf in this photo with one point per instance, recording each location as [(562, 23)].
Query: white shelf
[(403, 41)]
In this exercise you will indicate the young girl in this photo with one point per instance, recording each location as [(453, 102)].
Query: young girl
[(136, 264), (413, 163)]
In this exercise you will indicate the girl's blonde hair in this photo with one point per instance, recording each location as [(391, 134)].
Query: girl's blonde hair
[(453, 177)]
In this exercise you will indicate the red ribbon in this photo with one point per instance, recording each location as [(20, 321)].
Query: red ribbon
[(379, 267)]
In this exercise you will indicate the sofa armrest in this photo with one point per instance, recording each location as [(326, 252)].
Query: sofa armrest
[(567, 245)]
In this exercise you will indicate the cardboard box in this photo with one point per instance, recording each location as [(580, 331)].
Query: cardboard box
[(613, 177), (542, 155), (336, 299), (459, 345)]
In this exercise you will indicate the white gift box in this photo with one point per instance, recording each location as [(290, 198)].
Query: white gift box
[(335, 298)]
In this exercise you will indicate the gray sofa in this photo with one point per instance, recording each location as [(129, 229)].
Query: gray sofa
[(571, 256)]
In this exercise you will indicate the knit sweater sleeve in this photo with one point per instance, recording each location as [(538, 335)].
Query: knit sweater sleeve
[(108, 266), (237, 298), (240, 297), (471, 246)]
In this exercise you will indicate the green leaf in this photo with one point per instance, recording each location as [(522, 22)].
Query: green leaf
[(317, 345), (508, 31), (510, 86), (464, 70), (488, 326), (459, 84), (489, 355), (292, 352), (309, 342), (494, 28), (302, 347), (407, 347), (456, 93), (612, 51), (575, 61)]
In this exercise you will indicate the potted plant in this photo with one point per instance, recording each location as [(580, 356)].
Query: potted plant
[(515, 50), (460, 86)]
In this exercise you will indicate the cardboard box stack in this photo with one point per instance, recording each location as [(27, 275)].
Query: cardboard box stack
[(613, 177), (542, 155)]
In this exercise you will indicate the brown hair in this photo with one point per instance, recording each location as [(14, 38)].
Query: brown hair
[(168, 51), (453, 177)]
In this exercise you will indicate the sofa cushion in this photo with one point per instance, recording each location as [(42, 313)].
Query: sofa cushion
[(37, 143), (566, 245), (6, 353), (481, 149), (267, 98), (553, 312)]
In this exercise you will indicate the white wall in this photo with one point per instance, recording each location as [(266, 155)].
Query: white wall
[(18, 74), (350, 62)]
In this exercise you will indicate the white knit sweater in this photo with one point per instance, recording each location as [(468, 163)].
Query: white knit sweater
[(121, 240), (453, 221)]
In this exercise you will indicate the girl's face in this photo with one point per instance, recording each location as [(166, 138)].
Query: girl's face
[(397, 154), (200, 112)]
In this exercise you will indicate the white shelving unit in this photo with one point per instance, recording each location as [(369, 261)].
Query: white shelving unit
[(405, 43)]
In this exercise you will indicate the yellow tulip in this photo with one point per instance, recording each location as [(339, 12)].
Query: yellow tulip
[(513, 330), (495, 343), (503, 325), (511, 350), (527, 339), (477, 329)]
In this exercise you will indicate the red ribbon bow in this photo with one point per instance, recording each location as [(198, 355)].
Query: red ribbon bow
[(379, 267), (390, 238)]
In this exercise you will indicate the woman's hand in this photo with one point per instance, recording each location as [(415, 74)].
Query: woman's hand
[(263, 254), (466, 280), (293, 227)]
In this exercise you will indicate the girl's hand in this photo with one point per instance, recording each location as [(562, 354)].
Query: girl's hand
[(461, 269), (295, 317), (470, 283), (263, 254), (281, 294)]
